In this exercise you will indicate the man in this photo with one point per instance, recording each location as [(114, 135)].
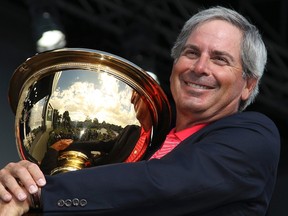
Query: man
[(217, 160)]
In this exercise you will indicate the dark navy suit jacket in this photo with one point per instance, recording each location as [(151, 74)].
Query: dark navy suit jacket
[(227, 168)]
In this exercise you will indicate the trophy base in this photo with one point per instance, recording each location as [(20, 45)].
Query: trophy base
[(70, 161)]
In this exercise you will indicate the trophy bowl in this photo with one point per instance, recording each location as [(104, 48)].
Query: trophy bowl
[(78, 108)]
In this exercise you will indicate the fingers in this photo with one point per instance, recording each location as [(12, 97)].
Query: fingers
[(14, 188), (30, 176), (15, 175), (9, 185), (5, 195), (14, 207)]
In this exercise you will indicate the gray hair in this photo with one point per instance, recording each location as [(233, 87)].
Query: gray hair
[(253, 50)]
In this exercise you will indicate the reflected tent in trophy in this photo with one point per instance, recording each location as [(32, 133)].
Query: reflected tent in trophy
[(77, 108)]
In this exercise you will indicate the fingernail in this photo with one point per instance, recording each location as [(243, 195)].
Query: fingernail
[(41, 182), (22, 196), (33, 189), (7, 197)]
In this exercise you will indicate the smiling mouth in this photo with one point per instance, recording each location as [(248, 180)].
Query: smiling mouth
[(197, 85)]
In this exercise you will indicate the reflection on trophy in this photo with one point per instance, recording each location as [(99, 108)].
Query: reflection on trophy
[(77, 108)]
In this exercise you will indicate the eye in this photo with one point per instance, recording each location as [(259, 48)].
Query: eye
[(220, 60), (191, 53)]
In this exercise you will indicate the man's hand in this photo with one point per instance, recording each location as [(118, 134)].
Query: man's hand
[(14, 207), (16, 178)]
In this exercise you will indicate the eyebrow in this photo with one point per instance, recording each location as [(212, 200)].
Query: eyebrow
[(190, 46)]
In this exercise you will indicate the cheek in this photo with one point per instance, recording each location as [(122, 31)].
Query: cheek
[(231, 79), (235, 87), (178, 67), (231, 85), (181, 64)]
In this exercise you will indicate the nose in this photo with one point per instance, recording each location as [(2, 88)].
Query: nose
[(201, 65)]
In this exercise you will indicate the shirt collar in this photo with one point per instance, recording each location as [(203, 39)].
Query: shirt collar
[(183, 134)]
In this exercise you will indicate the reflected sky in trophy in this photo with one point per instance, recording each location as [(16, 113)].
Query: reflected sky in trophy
[(87, 95)]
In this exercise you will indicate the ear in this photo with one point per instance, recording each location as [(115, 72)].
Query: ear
[(247, 90)]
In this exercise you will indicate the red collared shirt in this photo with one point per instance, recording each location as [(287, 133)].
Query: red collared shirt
[(174, 138)]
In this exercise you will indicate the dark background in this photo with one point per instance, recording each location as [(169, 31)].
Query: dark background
[(143, 32)]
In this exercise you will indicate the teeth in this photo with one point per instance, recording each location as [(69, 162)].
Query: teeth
[(196, 86)]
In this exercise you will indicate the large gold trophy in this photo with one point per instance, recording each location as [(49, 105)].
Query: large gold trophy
[(77, 108)]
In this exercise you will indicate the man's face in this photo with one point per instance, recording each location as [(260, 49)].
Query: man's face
[(206, 80)]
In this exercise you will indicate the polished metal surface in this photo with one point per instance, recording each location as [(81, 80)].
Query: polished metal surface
[(77, 108)]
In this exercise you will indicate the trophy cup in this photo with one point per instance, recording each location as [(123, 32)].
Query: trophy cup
[(77, 108)]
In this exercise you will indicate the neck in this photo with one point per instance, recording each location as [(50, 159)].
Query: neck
[(183, 123), (186, 121)]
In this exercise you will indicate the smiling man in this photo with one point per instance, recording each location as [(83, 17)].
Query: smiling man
[(207, 80), (217, 160)]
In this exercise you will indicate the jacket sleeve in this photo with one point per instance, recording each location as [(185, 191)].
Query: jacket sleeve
[(232, 160)]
